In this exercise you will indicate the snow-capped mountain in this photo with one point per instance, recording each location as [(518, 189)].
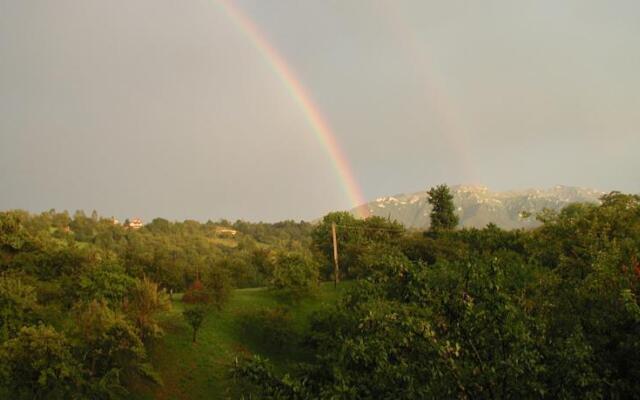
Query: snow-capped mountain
[(477, 205)]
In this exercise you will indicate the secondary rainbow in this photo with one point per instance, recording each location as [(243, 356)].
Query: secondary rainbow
[(313, 114), (453, 129)]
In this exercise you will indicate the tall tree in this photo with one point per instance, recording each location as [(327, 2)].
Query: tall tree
[(443, 216), (145, 301)]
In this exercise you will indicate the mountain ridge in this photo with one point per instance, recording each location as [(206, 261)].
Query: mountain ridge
[(477, 205)]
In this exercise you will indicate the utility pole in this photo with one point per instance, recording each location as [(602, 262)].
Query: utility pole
[(336, 268)]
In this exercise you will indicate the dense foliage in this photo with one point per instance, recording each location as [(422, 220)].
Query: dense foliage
[(80, 297), (359, 241), (483, 313), (551, 312)]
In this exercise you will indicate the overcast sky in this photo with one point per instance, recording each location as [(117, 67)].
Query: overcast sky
[(165, 108)]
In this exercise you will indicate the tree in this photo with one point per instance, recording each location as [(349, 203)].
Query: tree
[(110, 348), (356, 238), (38, 364), (443, 216), (349, 236), (17, 303), (144, 302), (195, 317), (216, 282), (295, 274), (107, 281), (13, 235), (196, 294)]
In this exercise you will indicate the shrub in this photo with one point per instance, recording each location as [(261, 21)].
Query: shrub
[(218, 286), (269, 326), (296, 275)]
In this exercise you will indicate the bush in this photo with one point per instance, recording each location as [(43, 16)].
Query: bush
[(218, 286), (269, 326), (296, 275), (214, 289)]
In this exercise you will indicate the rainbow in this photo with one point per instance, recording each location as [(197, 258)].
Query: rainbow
[(311, 111)]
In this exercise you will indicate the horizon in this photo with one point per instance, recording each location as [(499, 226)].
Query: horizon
[(149, 218), (285, 111)]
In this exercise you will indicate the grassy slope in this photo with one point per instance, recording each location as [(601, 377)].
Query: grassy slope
[(200, 371)]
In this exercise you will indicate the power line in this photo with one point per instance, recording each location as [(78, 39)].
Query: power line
[(364, 228)]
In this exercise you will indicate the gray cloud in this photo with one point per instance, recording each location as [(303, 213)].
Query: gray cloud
[(165, 108)]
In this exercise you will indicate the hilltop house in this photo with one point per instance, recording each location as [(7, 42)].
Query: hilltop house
[(220, 231), (135, 223)]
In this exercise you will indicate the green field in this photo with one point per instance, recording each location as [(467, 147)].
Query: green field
[(201, 370)]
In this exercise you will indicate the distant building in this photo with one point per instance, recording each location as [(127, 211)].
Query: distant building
[(226, 231), (135, 223), (115, 221)]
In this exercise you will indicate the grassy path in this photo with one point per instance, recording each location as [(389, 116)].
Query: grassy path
[(201, 370)]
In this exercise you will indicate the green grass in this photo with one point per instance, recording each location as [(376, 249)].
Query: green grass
[(201, 370)]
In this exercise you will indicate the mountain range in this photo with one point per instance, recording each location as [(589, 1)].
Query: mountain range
[(478, 206)]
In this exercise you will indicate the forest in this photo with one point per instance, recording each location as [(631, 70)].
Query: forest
[(89, 308)]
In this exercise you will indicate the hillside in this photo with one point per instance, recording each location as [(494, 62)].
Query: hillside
[(477, 205), (202, 370)]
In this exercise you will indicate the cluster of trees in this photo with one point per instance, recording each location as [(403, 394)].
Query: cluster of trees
[(478, 313), (80, 296), (551, 312), (360, 242), (73, 323)]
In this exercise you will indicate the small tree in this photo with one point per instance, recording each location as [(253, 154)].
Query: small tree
[(350, 241), (296, 275), (108, 342), (145, 301), (195, 317), (216, 282), (443, 216), (196, 294)]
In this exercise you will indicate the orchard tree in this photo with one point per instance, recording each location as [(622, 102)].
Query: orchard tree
[(296, 274), (196, 294), (13, 235), (17, 303), (349, 237), (355, 238), (145, 301), (195, 317), (38, 364), (443, 216), (217, 283), (107, 281)]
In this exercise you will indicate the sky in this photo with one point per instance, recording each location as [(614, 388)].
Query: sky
[(167, 107)]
